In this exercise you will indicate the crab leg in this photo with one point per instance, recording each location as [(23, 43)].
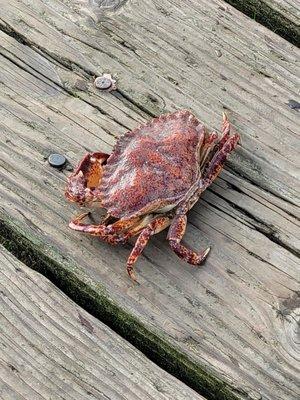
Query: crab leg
[(225, 131), (118, 232), (102, 231), (156, 226), (175, 234), (123, 225), (217, 162), (212, 144), (207, 147)]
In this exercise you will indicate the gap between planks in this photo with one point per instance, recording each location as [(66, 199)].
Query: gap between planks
[(52, 348), (36, 150), (258, 85), (281, 16), (27, 121)]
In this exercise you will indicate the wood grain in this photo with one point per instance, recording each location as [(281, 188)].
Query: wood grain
[(207, 62), (281, 16), (53, 349), (237, 315), (288, 8)]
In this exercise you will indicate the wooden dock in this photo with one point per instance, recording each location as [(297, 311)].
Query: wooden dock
[(228, 330), (51, 348)]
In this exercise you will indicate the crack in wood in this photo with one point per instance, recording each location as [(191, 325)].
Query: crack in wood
[(258, 224), (153, 346), (121, 95), (270, 16), (230, 329), (235, 170)]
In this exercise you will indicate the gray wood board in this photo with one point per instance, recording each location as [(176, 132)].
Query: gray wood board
[(204, 58), (288, 8), (281, 16), (237, 315), (53, 349)]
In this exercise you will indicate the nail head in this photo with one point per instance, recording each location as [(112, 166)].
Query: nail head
[(57, 160), (103, 83), (294, 105)]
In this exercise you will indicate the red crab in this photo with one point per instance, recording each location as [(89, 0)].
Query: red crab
[(154, 175)]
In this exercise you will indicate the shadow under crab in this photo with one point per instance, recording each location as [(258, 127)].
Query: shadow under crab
[(155, 174)]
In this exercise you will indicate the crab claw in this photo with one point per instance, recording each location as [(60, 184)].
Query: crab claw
[(83, 184)]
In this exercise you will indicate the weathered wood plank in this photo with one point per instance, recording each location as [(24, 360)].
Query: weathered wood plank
[(223, 316), (28, 182), (288, 8), (281, 16), (207, 61), (53, 349)]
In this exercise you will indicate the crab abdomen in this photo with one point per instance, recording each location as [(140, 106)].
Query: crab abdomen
[(153, 165)]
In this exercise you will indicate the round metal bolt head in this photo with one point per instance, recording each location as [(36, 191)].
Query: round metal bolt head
[(105, 82), (294, 105), (102, 83), (57, 160)]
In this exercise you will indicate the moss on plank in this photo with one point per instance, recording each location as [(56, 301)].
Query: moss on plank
[(43, 258), (270, 18)]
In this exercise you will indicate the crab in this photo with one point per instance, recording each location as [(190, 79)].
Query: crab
[(153, 177)]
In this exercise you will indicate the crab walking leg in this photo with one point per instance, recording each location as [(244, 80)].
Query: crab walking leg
[(117, 233), (207, 147), (123, 225), (225, 130), (216, 164), (225, 125), (156, 226), (102, 229), (212, 144), (108, 235), (175, 234)]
